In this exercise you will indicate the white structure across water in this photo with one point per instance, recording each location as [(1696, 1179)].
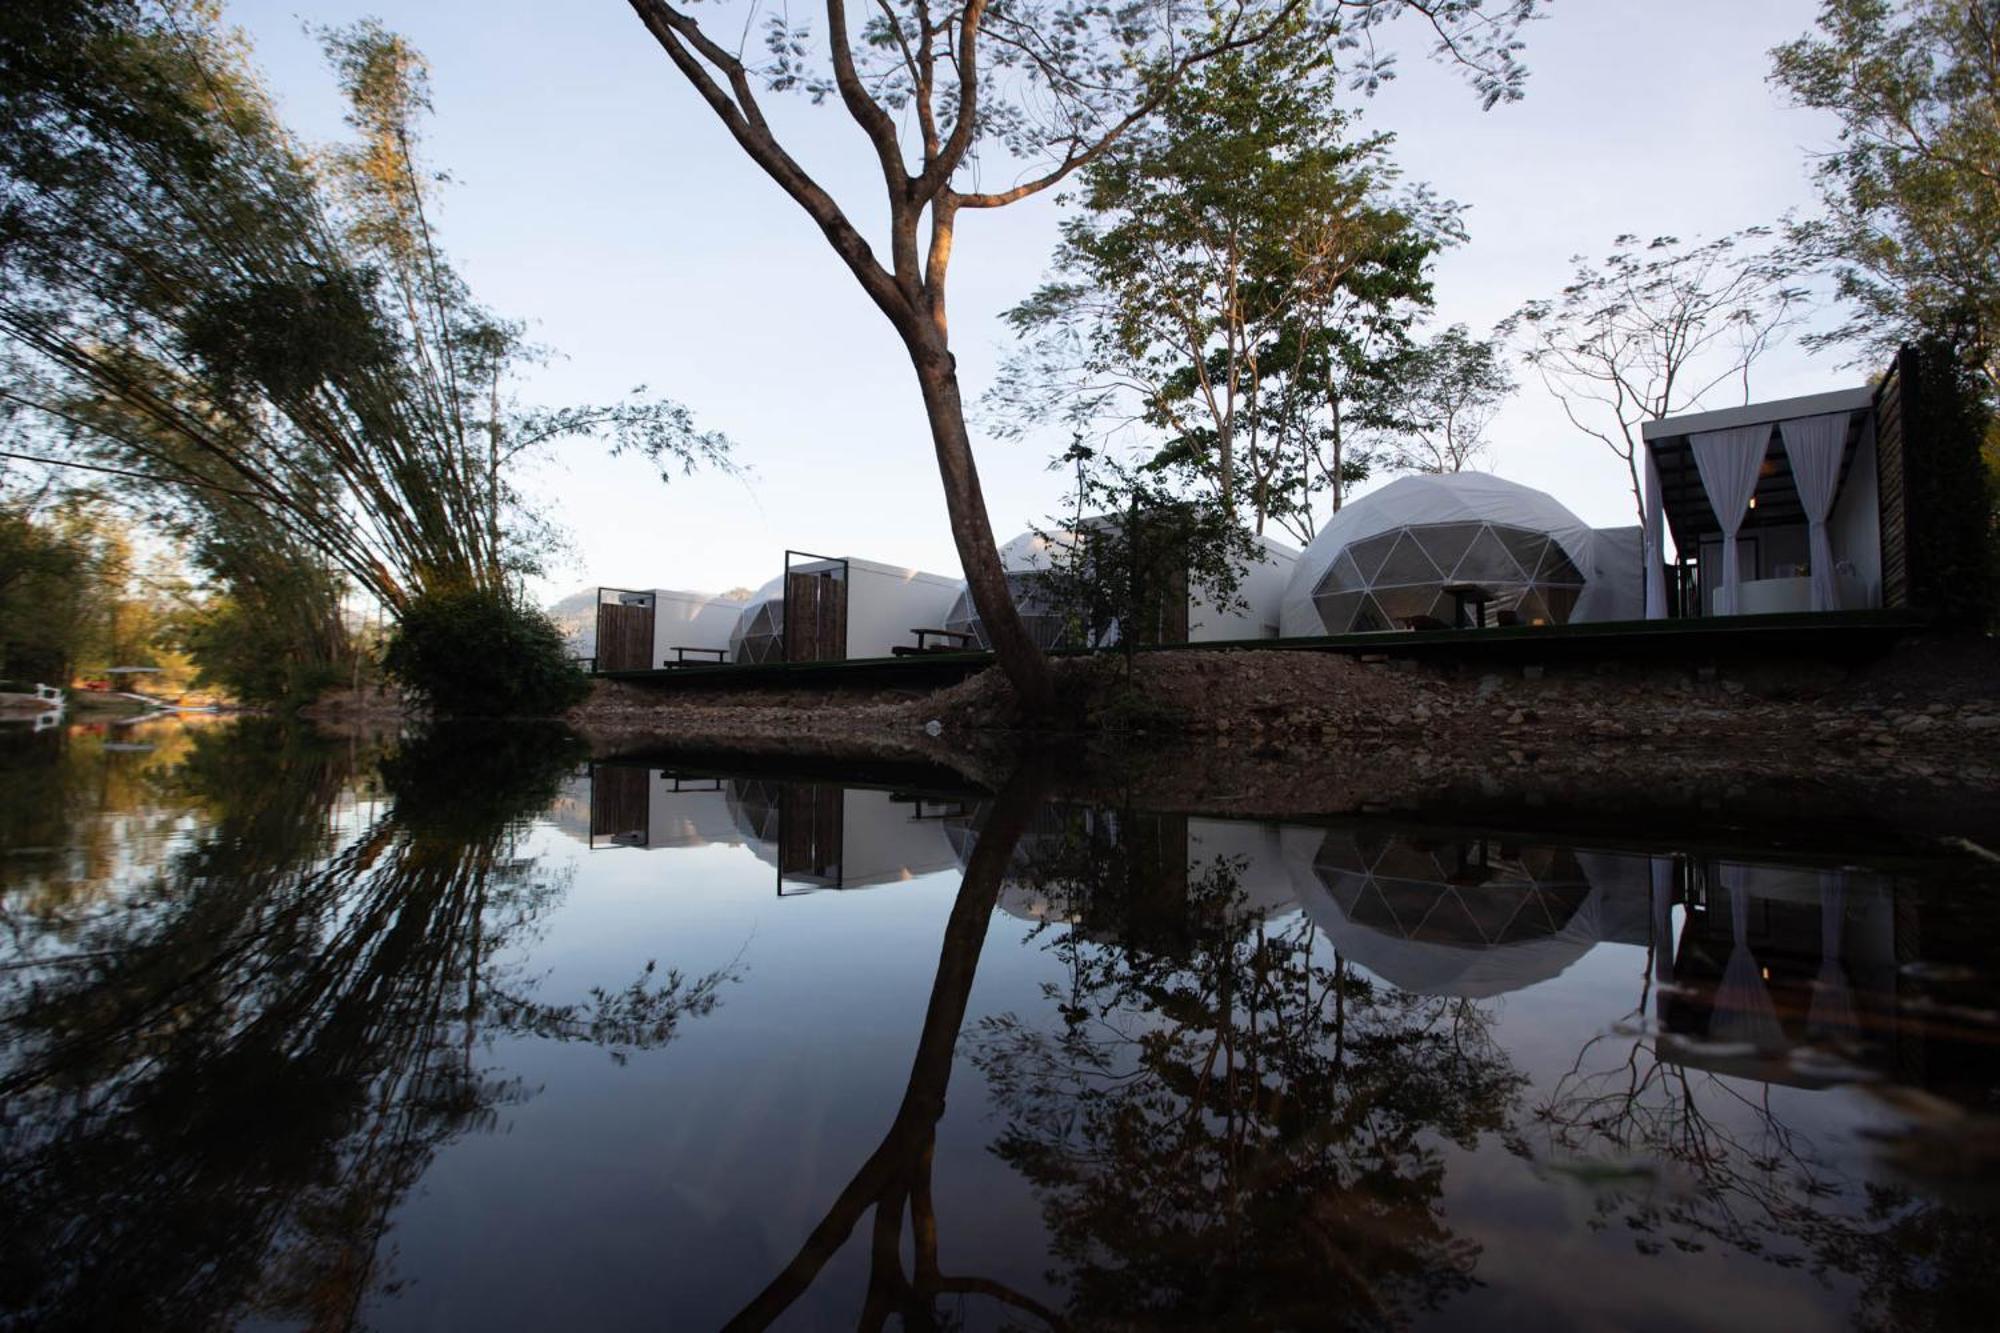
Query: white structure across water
[(1773, 507), (838, 608), (1028, 557), (642, 629), (1413, 553)]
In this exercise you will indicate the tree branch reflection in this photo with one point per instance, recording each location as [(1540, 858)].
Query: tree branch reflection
[(216, 1095)]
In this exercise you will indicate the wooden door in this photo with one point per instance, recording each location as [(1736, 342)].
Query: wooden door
[(815, 617), (620, 805), (810, 822), (624, 637)]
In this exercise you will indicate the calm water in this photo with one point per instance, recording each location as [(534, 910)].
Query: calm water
[(466, 1033)]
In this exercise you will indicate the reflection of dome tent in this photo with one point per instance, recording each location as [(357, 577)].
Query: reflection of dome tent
[(1026, 559), (1447, 918), (1385, 559)]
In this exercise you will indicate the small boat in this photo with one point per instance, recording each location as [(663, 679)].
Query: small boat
[(20, 696)]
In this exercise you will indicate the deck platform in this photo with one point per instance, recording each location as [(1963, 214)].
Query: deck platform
[(1838, 636)]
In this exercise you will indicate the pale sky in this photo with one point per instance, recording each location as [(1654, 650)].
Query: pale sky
[(594, 196)]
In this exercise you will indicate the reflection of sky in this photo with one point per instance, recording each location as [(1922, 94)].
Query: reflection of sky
[(667, 1190), (684, 1180)]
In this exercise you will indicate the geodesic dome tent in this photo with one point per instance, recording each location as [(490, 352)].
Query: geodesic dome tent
[(1025, 559), (759, 635), (1384, 561)]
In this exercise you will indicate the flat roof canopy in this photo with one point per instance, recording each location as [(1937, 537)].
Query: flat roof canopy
[(1688, 512)]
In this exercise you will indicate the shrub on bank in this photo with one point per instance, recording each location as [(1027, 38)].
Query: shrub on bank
[(477, 653)]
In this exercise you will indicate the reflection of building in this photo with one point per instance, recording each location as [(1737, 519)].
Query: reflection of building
[(1770, 959), (1151, 863), (817, 834), (1466, 916), (1766, 971)]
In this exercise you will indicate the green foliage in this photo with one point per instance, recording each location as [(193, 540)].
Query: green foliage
[(1954, 540), (1239, 284), (1443, 393), (1654, 327), (43, 574), (479, 653), (265, 337), (1152, 552), (1912, 192), (255, 656)]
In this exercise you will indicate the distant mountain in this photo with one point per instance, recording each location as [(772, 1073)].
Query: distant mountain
[(576, 615)]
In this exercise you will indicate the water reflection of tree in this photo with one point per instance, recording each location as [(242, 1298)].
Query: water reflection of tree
[(216, 1095), (1233, 1127), (894, 1183), (1227, 1127), (1685, 1159)]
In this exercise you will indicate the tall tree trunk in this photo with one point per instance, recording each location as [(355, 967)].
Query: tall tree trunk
[(1020, 657)]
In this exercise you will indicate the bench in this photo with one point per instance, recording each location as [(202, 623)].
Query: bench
[(703, 657), (956, 641)]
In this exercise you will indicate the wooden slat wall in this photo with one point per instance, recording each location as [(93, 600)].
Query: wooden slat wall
[(618, 802), (624, 638), (815, 618), (1890, 408), (810, 830)]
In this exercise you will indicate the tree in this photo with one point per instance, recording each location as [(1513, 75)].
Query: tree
[(970, 89), (252, 335), (215, 1101), (1148, 550), (1912, 192), (1225, 1123), (1654, 329), (1443, 395), (1236, 247)]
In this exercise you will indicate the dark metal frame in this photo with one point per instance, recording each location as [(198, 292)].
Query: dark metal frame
[(785, 590)]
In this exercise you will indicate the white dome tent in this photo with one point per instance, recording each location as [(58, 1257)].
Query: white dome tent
[(759, 635), (1385, 560), (1028, 557), (1024, 559)]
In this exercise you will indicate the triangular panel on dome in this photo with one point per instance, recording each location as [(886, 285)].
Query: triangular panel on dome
[(1525, 546), (1561, 601), (1487, 560), (1406, 563), (1407, 603), (1557, 567), (1337, 610), (1446, 543), (1369, 618), (1343, 576), (1369, 555)]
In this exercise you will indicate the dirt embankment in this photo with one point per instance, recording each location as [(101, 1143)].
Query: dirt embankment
[(1262, 730)]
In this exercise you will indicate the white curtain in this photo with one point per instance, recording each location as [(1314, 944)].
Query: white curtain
[(1663, 917), (1655, 545), (1815, 446), (1729, 461)]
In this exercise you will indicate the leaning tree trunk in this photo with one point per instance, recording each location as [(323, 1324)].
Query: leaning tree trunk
[(1022, 659)]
